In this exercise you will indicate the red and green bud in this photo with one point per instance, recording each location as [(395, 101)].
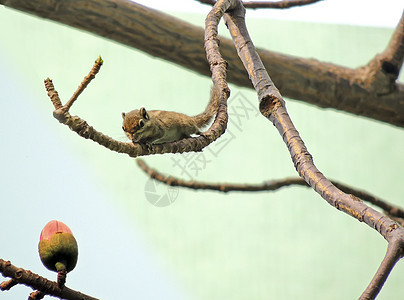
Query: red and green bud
[(58, 247)]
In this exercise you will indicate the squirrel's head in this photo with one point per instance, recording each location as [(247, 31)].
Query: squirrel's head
[(135, 124)]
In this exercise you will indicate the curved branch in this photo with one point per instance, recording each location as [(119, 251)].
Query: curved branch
[(270, 185), (269, 4), (393, 255), (81, 127), (39, 283), (322, 84), (272, 106)]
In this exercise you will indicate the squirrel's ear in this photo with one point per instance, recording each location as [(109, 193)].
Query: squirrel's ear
[(143, 113), (123, 115)]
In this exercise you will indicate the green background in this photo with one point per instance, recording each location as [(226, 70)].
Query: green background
[(288, 244)]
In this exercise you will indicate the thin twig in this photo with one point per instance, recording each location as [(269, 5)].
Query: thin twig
[(39, 283), (393, 255), (80, 126), (95, 69), (269, 4), (270, 185)]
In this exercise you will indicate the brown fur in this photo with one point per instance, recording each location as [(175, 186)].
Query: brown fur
[(159, 126)]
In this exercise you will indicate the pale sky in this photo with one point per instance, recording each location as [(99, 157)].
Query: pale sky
[(356, 12)]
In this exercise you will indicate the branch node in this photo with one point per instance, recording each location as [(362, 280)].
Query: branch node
[(60, 114), (269, 104), (18, 273)]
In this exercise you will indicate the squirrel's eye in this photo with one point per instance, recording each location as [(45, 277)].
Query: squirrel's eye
[(141, 123), (123, 128)]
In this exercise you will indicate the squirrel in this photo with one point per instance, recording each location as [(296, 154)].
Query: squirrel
[(160, 126)]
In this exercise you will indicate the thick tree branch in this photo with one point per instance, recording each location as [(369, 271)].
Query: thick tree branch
[(272, 106), (322, 84), (39, 283), (270, 185)]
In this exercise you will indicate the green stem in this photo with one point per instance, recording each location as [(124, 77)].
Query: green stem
[(61, 269)]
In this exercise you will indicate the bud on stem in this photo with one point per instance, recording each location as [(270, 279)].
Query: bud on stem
[(58, 249)]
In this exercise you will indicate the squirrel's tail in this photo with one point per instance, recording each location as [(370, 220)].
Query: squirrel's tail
[(211, 109)]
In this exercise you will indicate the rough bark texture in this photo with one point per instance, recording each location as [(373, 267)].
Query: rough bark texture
[(322, 84), (37, 282), (273, 108)]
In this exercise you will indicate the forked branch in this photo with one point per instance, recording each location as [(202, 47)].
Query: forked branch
[(80, 126), (393, 255), (270, 185), (36, 282), (379, 76), (272, 106), (319, 83)]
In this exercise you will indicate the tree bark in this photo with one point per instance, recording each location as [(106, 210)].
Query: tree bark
[(158, 34)]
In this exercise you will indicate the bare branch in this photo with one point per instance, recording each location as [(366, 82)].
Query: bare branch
[(381, 73), (393, 255), (269, 4), (272, 106), (389, 209), (96, 68), (393, 56), (39, 283), (270, 185), (80, 126), (322, 84)]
